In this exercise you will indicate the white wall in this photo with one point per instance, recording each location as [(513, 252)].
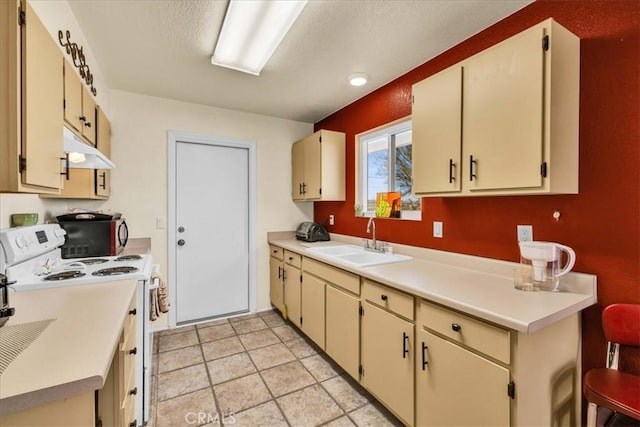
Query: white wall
[(139, 182)]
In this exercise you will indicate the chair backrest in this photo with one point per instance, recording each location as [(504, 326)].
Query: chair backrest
[(621, 324)]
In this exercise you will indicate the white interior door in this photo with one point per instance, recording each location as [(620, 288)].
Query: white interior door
[(212, 230)]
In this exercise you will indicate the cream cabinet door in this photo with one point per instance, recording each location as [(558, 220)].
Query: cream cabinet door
[(388, 360), (343, 329), (103, 143), (313, 308), (437, 132), (89, 116), (292, 294), (457, 387), (312, 167), (42, 115), (503, 115), (72, 97), (276, 286), (297, 170)]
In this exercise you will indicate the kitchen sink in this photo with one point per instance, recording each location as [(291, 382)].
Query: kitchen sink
[(357, 255)]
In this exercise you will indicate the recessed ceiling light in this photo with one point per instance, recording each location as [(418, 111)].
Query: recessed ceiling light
[(251, 32), (358, 79)]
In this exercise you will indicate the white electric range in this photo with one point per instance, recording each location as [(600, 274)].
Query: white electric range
[(31, 259)]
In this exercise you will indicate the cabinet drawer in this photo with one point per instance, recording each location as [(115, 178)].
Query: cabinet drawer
[(340, 278), (276, 252), (130, 321), (128, 411), (476, 334), (293, 258), (393, 300)]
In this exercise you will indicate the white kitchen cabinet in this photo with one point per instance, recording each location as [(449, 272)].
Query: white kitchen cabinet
[(387, 349), (504, 121), (318, 167), (31, 144)]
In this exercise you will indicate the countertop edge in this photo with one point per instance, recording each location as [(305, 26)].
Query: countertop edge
[(40, 397), (587, 287)]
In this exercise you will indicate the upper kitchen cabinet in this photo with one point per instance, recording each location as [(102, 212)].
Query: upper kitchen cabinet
[(318, 167), (504, 121), (83, 183), (31, 144), (79, 105)]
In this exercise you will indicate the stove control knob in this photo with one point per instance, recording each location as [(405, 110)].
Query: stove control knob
[(20, 241), (59, 232), (181, 242)]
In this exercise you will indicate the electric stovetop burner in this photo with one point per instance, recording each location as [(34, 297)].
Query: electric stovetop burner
[(114, 271), (128, 258), (65, 275), (92, 261)]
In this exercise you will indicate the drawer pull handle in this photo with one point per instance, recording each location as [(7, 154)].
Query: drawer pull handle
[(424, 356), (383, 297), (134, 350), (133, 391), (290, 258), (405, 342), (275, 251), (280, 273), (133, 423), (133, 312), (455, 327)]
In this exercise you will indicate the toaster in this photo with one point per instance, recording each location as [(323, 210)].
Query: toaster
[(312, 232)]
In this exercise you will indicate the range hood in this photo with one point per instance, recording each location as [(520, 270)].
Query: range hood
[(82, 155)]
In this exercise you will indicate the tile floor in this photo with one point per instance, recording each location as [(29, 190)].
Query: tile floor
[(253, 370)]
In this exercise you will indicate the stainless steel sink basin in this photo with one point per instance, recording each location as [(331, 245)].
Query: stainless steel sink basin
[(356, 255)]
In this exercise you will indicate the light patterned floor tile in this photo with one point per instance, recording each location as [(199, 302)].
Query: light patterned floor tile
[(287, 378), (273, 355), (311, 406), (249, 325), (187, 410), (180, 358), (213, 333), (267, 414), (230, 367), (258, 339), (319, 368), (345, 394), (286, 333), (300, 348), (242, 393), (370, 416), (181, 381), (221, 348), (177, 340)]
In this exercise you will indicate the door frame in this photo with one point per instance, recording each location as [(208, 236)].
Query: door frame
[(173, 137)]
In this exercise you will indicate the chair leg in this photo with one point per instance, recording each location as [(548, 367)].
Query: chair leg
[(592, 415)]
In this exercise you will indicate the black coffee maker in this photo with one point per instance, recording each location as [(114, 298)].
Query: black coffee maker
[(5, 310)]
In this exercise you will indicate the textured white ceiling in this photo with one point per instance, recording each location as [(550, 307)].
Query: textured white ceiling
[(163, 48)]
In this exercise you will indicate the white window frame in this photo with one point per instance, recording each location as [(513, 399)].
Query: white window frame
[(389, 129)]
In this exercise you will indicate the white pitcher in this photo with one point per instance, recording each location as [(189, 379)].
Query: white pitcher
[(545, 259)]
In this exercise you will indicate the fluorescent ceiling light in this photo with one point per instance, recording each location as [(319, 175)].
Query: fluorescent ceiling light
[(251, 32), (358, 79), (93, 159)]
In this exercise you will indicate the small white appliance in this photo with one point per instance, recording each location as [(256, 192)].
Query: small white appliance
[(30, 258), (545, 260)]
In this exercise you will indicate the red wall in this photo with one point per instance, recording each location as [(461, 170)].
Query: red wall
[(602, 223)]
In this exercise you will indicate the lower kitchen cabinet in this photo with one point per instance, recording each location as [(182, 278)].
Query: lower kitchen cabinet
[(343, 329), (276, 283), (313, 308), (292, 294), (388, 360), (455, 386)]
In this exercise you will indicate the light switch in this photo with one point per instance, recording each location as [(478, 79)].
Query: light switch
[(437, 229)]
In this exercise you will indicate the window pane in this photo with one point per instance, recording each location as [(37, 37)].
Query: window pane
[(403, 171), (377, 169)]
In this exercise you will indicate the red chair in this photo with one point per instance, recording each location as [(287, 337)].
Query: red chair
[(607, 387)]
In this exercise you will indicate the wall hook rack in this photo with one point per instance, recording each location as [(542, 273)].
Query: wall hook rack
[(79, 61)]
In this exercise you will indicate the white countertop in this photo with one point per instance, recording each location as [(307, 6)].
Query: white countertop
[(73, 354), (481, 287)]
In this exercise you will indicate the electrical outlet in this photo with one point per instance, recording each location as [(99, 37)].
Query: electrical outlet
[(525, 233), (332, 220), (437, 229), (160, 223)]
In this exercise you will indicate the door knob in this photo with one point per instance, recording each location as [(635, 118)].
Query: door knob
[(181, 242), (180, 229)]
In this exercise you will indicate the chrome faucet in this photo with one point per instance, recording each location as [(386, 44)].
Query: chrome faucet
[(374, 244)]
